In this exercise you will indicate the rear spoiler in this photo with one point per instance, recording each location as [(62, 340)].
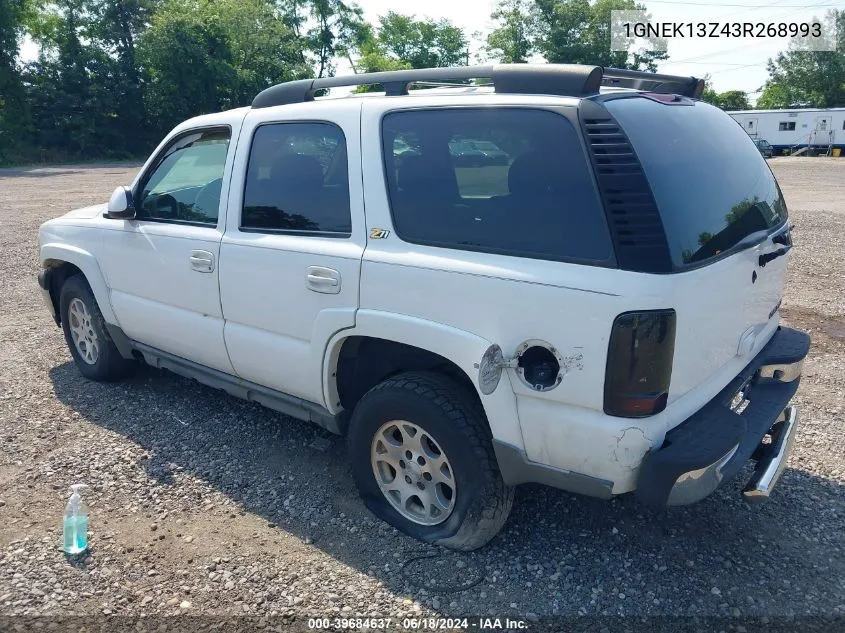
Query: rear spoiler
[(653, 82)]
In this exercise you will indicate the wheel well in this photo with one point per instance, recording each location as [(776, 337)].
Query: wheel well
[(57, 273), (365, 361)]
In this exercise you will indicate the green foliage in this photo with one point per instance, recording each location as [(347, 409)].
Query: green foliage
[(777, 95), (421, 43), (402, 42), (13, 115), (578, 32), (729, 100), (204, 56), (116, 26), (338, 28), (803, 78), (734, 100), (209, 55), (512, 40), (71, 90), (113, 76)]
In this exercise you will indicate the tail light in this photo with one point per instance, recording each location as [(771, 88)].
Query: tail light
[(639, 363)]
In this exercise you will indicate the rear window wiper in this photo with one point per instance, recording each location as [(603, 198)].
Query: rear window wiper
[(784, 237), (765, 259)]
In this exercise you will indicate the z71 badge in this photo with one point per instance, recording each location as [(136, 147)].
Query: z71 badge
[(379, 234)]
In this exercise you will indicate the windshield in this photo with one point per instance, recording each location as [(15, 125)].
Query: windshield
[(711, 185)]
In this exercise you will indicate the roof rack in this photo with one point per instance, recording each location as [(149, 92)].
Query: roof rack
[(570, 80)]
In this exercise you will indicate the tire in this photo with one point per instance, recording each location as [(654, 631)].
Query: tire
[(96, 356), (450, 420)]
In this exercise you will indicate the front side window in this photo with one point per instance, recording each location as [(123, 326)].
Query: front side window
[(298, 180), (185, 183), (513, 181)]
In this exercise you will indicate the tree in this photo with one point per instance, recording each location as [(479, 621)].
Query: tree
[(401, 42), (338, 25), (512, 40), (421, 43), (69, 87), (578, 32), (116, 26), (710, 96), (734, 100), (204, 56), (13, 115), (374, 58), (776, 96), (728, 100), (802, 77)]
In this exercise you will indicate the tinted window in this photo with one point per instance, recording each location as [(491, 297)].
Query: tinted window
[(711, 185), (185, 183), (297, 180), (513, 181), (786, 126)]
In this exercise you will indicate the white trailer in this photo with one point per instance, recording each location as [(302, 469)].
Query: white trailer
[(816, 129)]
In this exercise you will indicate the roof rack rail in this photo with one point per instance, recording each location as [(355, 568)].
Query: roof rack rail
[(570, 80)]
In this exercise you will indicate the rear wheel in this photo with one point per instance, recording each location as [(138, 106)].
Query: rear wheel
[(422, 458), (93, 350)]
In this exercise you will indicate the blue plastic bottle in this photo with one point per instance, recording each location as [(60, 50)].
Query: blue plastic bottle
[(76, 523)]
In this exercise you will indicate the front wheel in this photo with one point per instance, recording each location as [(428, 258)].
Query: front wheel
[(93, 350), (422, 458)]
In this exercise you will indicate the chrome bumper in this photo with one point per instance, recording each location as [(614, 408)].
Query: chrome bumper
[(770, 467), (782, 371)]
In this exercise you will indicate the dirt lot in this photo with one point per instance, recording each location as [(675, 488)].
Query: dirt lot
[(202, 503)]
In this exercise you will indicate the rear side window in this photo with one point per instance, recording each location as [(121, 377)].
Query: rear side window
[(506, 180), (711, 185), (297, 180)]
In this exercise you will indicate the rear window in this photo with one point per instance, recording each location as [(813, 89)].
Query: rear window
[(513, 181), (711, 185)]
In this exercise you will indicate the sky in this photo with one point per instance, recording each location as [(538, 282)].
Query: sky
[(732, 64)]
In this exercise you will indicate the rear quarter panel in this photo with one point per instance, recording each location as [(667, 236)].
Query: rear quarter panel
[(508, 300)]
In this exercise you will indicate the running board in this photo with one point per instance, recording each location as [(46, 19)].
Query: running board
[(244, 389)]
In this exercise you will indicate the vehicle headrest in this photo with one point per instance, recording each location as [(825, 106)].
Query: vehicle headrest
[(208, 200), (533, 173), (297, 170), (421, 175)]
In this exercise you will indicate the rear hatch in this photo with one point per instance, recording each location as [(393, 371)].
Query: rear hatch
[(722, 210)]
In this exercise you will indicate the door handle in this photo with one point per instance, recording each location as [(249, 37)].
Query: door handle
[(320, 279), (202, 261)]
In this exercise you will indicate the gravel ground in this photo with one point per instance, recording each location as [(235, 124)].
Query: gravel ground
[(201, 503)]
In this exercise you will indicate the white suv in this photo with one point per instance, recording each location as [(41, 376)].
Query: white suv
[(567, 275)]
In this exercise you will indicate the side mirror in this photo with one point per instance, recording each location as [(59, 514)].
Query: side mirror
[(120, 205)]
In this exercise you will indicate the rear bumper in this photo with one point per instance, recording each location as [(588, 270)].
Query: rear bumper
[(750, 419)]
